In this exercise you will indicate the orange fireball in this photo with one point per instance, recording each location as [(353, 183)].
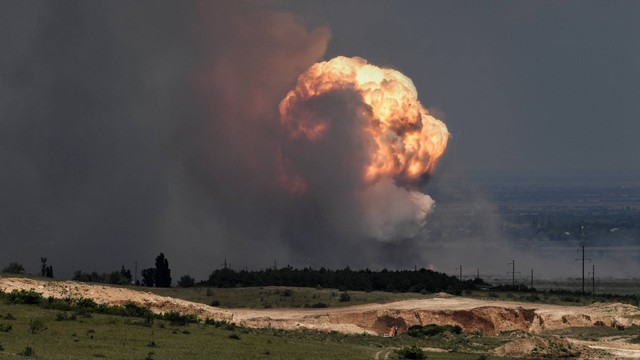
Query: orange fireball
[(407, 139)]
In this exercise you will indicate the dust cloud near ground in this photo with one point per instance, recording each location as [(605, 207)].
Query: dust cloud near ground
[(489, 317)]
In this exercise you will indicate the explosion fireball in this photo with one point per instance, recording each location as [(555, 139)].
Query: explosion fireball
[(407, 139), (394, 142)]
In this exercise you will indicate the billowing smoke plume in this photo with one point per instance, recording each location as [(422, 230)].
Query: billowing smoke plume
[(127, 133), (378, 139)]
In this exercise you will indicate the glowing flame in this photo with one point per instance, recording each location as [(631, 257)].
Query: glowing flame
[(407, 139)]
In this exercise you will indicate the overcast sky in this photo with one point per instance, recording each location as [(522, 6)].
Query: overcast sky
[(130, 128), (525, 86)]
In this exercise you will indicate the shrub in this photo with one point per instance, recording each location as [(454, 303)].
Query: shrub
[(287, 293), (24, 297), (411, 352), (179, 319), (9, 317), (58, 304), (215, 303), (36, 326), (87, 304), (344, 297), (216, 323), (319, 305), (134, 310), (234, 336), (432, 330), (63, 316), (5, 327), (28, 351), (14, 268)]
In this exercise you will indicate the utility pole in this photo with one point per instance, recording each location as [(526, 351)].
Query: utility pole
[(531, 279), (460, 268), (513, 272), (593, 279), (135, 265), (478, 273), (583, 259)]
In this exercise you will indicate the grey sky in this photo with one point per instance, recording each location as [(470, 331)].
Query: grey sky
[(525, 86), (127, 129)]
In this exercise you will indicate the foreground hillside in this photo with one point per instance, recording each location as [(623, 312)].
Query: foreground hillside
[(477, 318)]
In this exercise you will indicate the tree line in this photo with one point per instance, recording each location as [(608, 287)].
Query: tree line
[(421, 280)]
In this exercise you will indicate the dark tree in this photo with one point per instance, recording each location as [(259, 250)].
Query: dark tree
[(43, 268), (14, 268), (186, 281), (126, 275), (148, 277), (163, 273), (48, 271)]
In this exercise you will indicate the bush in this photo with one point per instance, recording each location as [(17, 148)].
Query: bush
[(87, 304), (28, 351), (133, 310), (411, 352), (14, 268), (24, 297), (63, 316), (287, 293), (216, 323), (5, 327), (178, 319), (319, 305), (36, 326), (432, 330), (215, 303), (344, 297), (234, 336)]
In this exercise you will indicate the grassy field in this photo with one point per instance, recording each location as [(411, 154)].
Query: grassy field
[(52, 334), (280, 297), (294, 297)]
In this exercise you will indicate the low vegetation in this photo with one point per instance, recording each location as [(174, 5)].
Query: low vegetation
[(81, 329)]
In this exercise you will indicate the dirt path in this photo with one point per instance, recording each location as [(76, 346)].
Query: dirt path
[(486, 316)]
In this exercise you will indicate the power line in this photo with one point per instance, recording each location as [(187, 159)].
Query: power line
[(593, 279), (583, 259), (531, 279), (513, 272)]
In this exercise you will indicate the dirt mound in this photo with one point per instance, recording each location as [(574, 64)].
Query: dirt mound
[(110, 295), (488, 317)]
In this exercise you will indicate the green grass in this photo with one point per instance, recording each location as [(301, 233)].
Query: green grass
[(101, 336), (279, 296), (544, 297)]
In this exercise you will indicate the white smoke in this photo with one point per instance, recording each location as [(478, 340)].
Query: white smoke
[(391, 212)]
